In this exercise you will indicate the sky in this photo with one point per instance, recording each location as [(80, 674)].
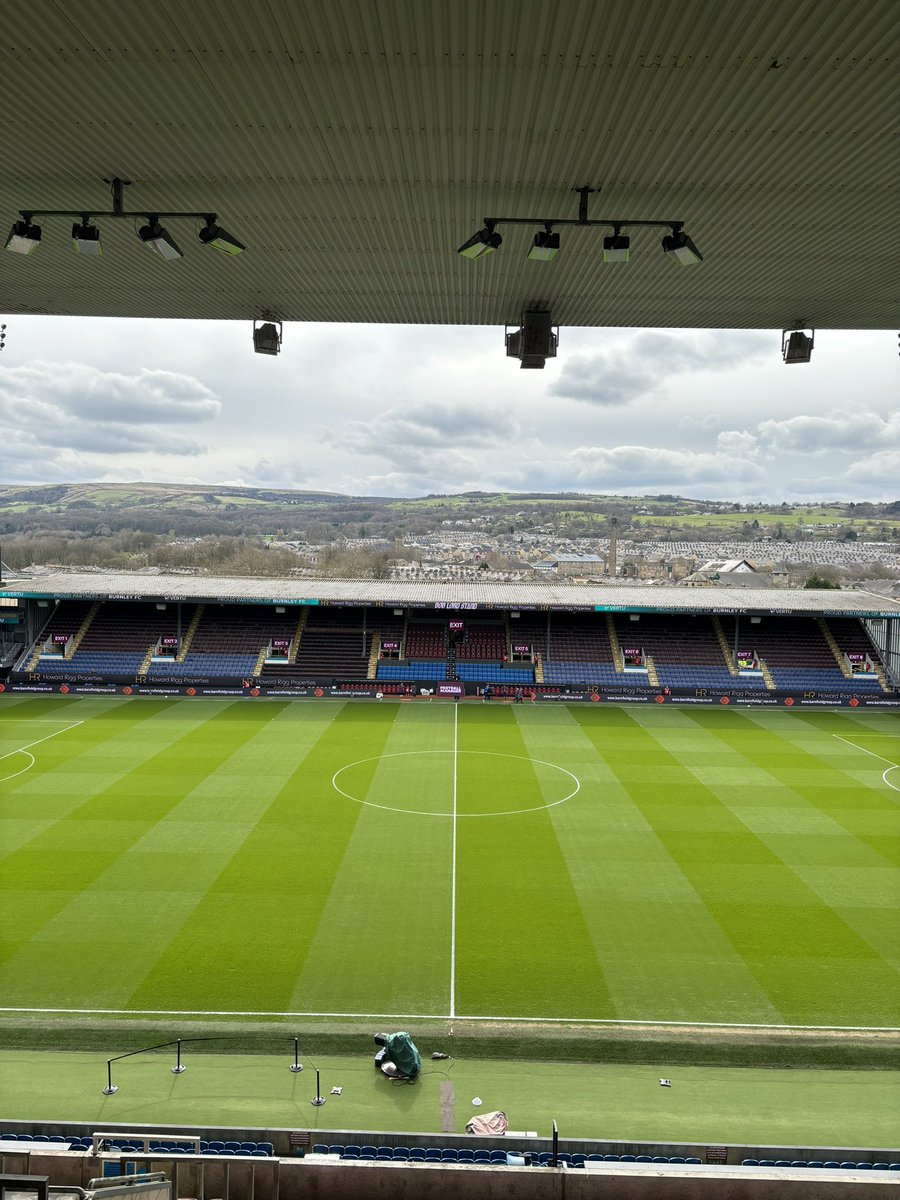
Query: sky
[(389, 410)]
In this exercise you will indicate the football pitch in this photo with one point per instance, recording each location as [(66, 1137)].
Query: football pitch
[(518, 863)]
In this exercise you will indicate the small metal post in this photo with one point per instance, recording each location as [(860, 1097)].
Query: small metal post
[(179, 1067), (555, 1145), (110, 1089), (318, 1099), (296, 1065)]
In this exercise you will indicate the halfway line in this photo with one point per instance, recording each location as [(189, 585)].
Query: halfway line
[(453, 869)]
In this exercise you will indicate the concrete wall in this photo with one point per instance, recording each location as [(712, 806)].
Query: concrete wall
[(309, 1179)]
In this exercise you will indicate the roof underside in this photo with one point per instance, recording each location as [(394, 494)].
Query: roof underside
[(354, 145), (441, 596)]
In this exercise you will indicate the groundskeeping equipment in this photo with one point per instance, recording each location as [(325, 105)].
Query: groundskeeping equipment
[(397, 1057)]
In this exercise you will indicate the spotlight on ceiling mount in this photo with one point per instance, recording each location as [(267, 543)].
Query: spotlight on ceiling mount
[(681, 248), (214, 235), (616, 247), (534, 341), (266, 336), (481, 243), (86, 238), (153, 235), (545, 247), (796, 347), (23, 237)]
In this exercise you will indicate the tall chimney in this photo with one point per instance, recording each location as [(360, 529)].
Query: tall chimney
[(611, 560)]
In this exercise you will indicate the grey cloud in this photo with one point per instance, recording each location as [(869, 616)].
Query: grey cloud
[(90, 394), (404, 431), (849, 432), (650, 466), (626, 373)]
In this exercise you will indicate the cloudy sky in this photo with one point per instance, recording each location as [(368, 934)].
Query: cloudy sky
[(404, 411)]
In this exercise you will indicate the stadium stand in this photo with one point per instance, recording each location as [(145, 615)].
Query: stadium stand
[(796, 653), (227, 641), (333, 643)]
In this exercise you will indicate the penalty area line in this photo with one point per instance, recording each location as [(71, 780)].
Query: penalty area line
[(56, 733), (193, 1012)]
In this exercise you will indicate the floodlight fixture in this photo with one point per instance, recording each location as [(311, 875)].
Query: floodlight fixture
[(481, 243), (153, 235), (534, 341), (86, 238), (616, 247), (267, 337), (545, 247), (214, 235), (23, 237), (796, 347), (681, 248)]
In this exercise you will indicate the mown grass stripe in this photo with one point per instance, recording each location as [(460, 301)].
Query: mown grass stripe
[(504, 864)]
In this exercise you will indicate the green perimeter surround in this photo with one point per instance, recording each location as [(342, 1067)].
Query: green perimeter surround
[(711, 1105)]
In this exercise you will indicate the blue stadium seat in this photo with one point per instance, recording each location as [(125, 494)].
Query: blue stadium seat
[(643, 1158), (401, 1153), (848, 1166), (864, 1166), (831, 1165), (799, 1162), (385, 1152), (213, 1145), (266, 1147), (815, 1162), (416, 1153), (676, 1158), (627, 1158), (482, 1156), (336, 1149), (498, 1156), (259, 1154), (766, 1162), (660, 1158), (373, 1150), (465, 1156), (880, 1167), (603, 1157), (579, 1160), (448, 1154), (750, 1162), (694, 1162), (782, 1162)]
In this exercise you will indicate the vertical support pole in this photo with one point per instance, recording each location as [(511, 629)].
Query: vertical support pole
[(179, 1067), (555, 1145), (318, 1099), (110, 1089), (296, 1065), (737, 627)]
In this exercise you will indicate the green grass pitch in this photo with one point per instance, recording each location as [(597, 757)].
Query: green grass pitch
[(674, 864)]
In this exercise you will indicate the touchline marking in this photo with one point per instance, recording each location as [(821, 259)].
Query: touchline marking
[(884, 774), (22, 749), (212, 1012), (453, 868)]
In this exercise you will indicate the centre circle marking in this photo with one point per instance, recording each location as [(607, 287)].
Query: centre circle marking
[(421, 812)]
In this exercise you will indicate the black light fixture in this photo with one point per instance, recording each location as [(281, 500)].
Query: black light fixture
[(86, 238), (534, 341), (616, 247), (214, 235), (681, 248), (796, 347), (24, 237), (153, 235), (267, 336), (481, 243), (545, 247)]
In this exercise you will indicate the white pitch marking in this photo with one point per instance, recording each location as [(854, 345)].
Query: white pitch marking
[(21, 749), (884, 775), (16, 774), (418, 812), (453, 867), (192, 1012)]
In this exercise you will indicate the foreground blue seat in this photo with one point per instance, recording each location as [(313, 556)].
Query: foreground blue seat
[(468, 1156), (416, 1153)]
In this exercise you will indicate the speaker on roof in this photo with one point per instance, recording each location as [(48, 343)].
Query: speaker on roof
[(534, 341)]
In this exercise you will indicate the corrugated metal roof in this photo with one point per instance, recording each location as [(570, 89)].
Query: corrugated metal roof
[(447, 595), (354, 145)]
